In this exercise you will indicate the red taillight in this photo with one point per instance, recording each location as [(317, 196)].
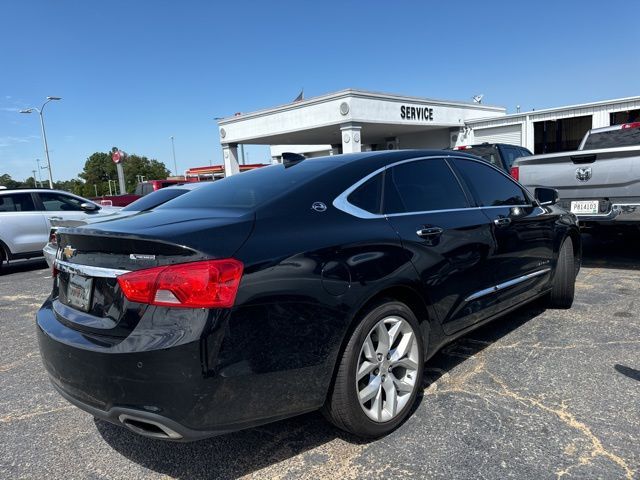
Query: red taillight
[(206, 284), (515, 173), (631, 125), (463, 147), (52, 237)]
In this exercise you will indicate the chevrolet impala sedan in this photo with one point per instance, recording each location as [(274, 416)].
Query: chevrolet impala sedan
[(323, 283)]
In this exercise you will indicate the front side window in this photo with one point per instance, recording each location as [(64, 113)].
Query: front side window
[(17, 202), (420, 186), (488, 186), (56, 202)]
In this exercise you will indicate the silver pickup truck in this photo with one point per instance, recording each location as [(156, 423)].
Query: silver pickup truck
[(599, 183)]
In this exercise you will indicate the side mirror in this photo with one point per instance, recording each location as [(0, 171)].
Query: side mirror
[(546, 196), (89, 207)]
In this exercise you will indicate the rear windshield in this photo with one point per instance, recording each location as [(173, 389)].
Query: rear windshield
[(251, 189), (623, 137), (488, 153), (154, 199)]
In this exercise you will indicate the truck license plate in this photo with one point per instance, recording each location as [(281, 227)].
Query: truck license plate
[(583, 207), (79, 292)]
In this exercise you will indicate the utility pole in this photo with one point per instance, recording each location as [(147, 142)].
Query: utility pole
[(39, 172), (173, 149), (35, 182), (95, 187)]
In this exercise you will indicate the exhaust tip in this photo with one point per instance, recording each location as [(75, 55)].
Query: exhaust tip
[(148, 428)]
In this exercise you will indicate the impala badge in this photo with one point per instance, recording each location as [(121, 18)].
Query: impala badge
[(68, 252), (584, 174)]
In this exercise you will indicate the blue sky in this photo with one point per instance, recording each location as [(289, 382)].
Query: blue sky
[(132, 74)]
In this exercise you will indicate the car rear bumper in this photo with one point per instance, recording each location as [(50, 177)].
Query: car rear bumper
[(618, 213), (49, 252), (183, 392)]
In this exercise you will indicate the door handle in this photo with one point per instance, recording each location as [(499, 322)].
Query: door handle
[(502, 221), (429, 232)]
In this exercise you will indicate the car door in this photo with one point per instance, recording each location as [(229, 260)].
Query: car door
[(22, 228), (61, 206), (522, 231), (449, 240)]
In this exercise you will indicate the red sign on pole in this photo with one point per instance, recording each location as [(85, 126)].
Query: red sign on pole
[(116, 156)]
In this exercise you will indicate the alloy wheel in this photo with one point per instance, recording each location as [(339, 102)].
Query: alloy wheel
[(387, 369)]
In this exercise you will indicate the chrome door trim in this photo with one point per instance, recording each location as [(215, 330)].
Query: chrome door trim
[(341, 202), (88, 270), (507, 284)]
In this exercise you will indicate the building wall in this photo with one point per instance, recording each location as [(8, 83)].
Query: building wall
[(598, 110)]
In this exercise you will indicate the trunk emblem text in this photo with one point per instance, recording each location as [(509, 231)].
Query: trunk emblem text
[(584, 174), (140, 256)]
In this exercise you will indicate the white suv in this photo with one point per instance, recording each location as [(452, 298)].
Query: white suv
[(26, 215)]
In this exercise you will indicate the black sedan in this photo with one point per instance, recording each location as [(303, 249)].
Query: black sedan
[(315, 284)]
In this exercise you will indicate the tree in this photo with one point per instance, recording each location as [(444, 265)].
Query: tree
[(99, 169), (7, 181)]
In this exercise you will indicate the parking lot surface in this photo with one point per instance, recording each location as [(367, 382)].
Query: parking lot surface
[(538, 394)]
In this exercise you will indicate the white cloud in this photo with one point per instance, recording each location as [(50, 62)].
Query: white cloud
[(10, 141)]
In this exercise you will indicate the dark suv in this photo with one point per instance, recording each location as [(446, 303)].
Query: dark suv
[(320, 283), (501, 155)]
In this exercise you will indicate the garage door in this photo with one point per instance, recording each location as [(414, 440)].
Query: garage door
[(506, 134)]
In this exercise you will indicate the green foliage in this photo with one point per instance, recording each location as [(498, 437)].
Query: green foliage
[(99, 169), (7, 181)]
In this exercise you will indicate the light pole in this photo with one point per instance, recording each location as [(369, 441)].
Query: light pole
[(35, 182), (173, 149), (44, 135)]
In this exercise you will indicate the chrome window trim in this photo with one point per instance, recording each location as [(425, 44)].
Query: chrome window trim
[(341, 202), (507, 284), (88, 270)]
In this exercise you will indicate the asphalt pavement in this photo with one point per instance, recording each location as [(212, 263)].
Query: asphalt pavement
[(536, 395)]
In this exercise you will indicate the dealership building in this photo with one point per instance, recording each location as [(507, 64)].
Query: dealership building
[(354, 120)]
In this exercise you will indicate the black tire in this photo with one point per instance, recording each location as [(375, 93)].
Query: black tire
[(342, 407), (564, 280)]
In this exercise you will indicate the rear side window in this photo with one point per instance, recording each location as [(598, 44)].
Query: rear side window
[(421, 186), (368, 196), (509, 154), (251, 189), (488, 186), (623, 137), (17, 202)]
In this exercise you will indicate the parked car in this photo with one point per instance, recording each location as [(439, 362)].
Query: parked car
[(142, 204), (26, 216), (142, 189), (314, 284), (501, 155), (600, 182)]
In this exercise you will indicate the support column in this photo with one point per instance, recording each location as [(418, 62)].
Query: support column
[(230, 157), (351, 141)]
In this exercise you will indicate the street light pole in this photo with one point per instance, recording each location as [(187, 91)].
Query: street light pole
[(44, 134), (175, 165), (35, 182)]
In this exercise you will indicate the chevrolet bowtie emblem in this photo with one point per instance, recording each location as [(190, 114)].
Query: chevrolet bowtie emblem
[(68, 252)]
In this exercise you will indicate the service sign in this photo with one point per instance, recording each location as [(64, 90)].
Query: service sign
[(420, 113)]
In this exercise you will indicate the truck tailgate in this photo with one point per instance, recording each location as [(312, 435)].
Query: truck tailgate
[(605, 173)]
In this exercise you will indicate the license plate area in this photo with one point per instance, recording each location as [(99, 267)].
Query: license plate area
[(79, 291), (585, 207)]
